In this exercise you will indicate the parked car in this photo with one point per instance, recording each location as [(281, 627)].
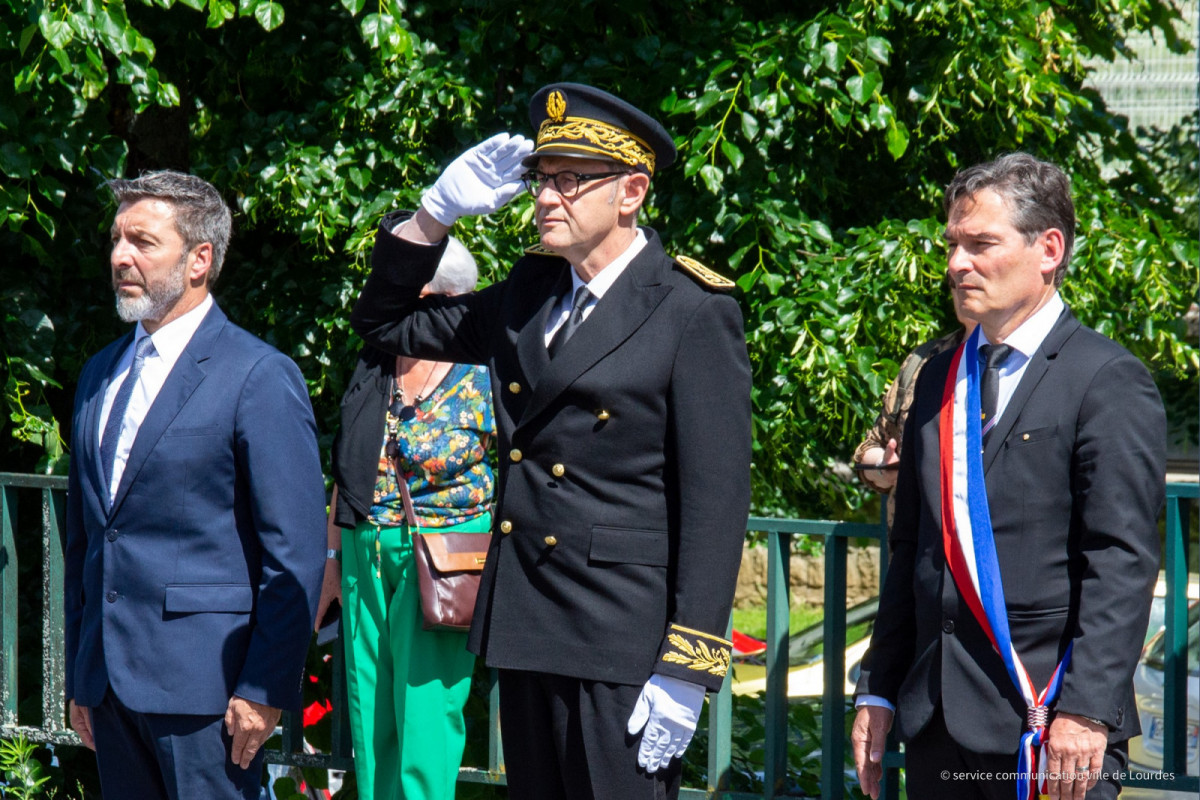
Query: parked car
[(1146, 751), (806, 669), (1159, 604)]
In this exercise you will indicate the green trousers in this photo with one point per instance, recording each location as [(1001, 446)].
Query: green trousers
[(407, 686)]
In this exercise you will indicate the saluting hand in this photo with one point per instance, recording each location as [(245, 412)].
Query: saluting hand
[(480, 180)]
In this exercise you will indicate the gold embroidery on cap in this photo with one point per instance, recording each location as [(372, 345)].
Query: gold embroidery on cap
[(556, 106), (603, 139)]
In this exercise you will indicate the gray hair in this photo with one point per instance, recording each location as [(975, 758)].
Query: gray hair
[(200, 214), (456, 272), (1037, 194)]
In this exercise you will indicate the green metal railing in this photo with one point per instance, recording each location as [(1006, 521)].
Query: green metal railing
[(836, 537), (1177, 563)]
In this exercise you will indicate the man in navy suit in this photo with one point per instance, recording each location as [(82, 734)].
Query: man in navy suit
[(1025, 543), (195, 517)]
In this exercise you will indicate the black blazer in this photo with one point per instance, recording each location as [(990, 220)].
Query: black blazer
[(1075, 477), (356, 446), (624, 477)]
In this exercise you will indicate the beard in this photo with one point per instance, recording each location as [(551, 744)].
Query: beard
[(156, 299)]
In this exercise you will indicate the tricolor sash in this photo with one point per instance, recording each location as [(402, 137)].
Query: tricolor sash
[(971, 554)]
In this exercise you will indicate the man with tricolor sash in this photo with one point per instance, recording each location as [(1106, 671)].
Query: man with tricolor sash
[(1025, 537)]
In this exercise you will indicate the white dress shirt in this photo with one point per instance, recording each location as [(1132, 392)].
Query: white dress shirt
[(169, 341), (1025, 341), (597, 286)]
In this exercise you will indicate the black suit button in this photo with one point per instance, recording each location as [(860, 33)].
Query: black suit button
[(1120, 716), (111, 597), (948, 625), (112, 535)]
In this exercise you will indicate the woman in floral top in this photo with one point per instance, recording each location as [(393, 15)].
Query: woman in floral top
[(443, 453), (429, 424)]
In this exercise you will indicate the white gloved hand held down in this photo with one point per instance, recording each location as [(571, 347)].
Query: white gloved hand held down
[(668, 710), (480, 180)]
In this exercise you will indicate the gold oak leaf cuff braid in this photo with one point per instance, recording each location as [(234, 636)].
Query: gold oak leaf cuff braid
[(694, 656)]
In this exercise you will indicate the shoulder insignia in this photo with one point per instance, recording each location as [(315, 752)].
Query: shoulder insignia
[(706, 276), (539, 250)]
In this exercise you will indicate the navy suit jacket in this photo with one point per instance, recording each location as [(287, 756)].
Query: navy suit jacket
[(202, 580), (1075, 473)]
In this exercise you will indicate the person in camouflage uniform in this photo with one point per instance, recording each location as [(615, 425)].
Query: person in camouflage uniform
[(881, 447)]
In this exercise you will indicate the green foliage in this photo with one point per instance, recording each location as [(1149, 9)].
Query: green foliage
[(752, 620), (824, 200), (288, 789), (814, 139), (25, 776), (748, 754)]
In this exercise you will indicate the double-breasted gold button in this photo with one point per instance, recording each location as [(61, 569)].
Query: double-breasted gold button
[(602, 414), (515, 455), (550, 541), (514, 387), (558, 470), (506, 527)]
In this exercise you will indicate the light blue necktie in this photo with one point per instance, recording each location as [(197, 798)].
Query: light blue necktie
[(116, 416)]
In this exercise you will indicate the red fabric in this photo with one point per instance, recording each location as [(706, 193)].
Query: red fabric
[(744, 645)]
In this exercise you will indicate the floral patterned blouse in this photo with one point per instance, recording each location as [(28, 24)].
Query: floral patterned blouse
[(443, 452)]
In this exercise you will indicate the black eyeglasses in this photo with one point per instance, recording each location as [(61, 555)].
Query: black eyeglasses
[(565, 183)]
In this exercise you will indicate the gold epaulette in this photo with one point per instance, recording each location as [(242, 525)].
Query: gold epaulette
[(697, 651), (704, 275), (539, 250)]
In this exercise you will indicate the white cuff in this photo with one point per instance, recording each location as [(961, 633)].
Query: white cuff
[(873, 700)]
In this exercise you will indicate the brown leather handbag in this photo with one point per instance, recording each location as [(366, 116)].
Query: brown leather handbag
[(449, 566)]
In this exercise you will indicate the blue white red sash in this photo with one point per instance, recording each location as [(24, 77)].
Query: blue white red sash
[(971, 554)]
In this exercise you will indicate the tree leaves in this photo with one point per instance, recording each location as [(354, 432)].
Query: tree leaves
[(813, 145), (269, 15)]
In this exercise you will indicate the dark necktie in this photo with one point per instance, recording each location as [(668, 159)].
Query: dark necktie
[(989, 385), (116, 415), (582, 295)]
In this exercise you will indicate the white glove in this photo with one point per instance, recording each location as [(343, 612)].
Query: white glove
[(668, 708), (480, 180)]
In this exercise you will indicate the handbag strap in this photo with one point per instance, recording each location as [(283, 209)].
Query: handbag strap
[(409, 514), (402, 479)]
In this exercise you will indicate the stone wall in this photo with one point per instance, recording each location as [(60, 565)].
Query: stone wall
[(808, 577)]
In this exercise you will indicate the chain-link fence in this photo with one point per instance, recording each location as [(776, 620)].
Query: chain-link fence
[(1157, 88)]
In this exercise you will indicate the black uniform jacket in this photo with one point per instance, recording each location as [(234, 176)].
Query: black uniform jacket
[(1075, 481), (624, 464)]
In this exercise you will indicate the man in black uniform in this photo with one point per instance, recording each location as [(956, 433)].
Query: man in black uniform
[(622, 393)]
